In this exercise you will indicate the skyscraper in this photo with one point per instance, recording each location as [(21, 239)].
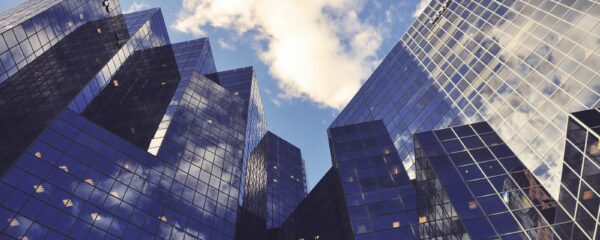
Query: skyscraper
[(579, 193), (381, 199), (472, 186), (275, 183), (110, 131), (522, 66)]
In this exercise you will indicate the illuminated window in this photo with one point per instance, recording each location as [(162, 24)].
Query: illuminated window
[(116, 83), (396, 170), (14, 222), (67, 202), (587, 195), (38, 155), (163, 83), (99, 30), (274, 167), (472, 205), (81, 16), (38, 188), (236, 93), (126, 165), (317, 237), (114, 194), (422, 219), (209, 121), (292, 177), (89, 181), (163, 218), (275, 180), (396, 224), (95, 216), (64, 168)]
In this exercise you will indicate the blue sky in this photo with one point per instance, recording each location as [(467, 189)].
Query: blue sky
[(310, 56)]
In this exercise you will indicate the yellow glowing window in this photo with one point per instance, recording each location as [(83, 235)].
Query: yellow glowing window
[(163, 218), (38, 155), (64, 168), (587, 195), (472, 205), (14, 222), (116, 83), (38, 188), (99, 30), (126, 165), (90, 181), (67, 202), (422, 219), (114, 194), (317, 237), (396, 170), (95, 216), (396, 224)]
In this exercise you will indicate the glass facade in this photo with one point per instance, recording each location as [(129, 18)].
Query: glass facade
[(380, 197), (470, 185), (275, 181), (120, 132), (579, 191), (521, 65), (34, 95)]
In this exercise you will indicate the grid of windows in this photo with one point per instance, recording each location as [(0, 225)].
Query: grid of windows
[(152, 33), (275, 180), (521, 65), (34, 95), (33, 27), (579, 191), (380, 197), (472, 186)]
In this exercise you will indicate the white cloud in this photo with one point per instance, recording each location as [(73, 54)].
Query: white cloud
[(316, 49), (421, 7), (136, 6), (225, 45)]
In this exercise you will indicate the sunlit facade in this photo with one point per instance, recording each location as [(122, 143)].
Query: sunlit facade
[(522, 66), (119, 133)]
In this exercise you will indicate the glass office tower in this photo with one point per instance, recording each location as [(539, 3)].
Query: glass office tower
[(521, 65), (107, 130), (472, 186), (381, 199), (579, 191), (275, 183)]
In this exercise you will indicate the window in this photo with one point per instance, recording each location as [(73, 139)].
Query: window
[(38, 155), (163, 218), (396, 224), (90, 181), (95, 216), (116, 83), (64, 168), (67, 202), (40, 188), (422, 219)]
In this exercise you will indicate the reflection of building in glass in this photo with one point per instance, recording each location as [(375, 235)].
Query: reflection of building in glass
[(580, 187), (107, 130), (471, 184), (275, 183), (522, 66)]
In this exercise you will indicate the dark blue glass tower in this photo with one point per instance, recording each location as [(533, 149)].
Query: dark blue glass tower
[(275, 183), (381, 199), (108, 130), (579, 191)]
